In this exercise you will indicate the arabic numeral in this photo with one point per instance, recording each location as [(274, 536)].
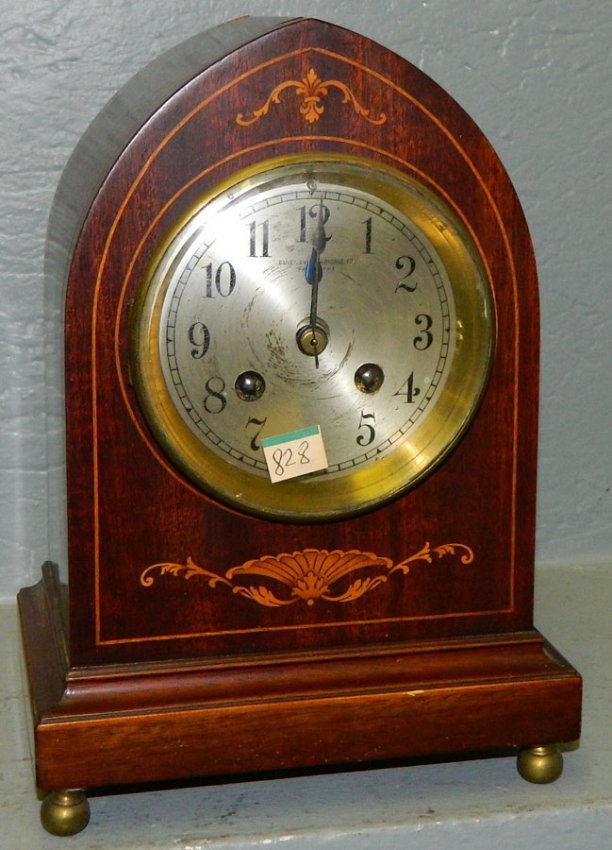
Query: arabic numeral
[(425, 338), (259, 426), (265, 239), (366, 437), (409, 263), (313, 212), (408, 391), (302, 224), (199, 337), (214, 400), (368, 235), (317, 210), (222, 282)]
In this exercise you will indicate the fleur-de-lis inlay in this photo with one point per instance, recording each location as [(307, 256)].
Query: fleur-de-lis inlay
[(312, 90)]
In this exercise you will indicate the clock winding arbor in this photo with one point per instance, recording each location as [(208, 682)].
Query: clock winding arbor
[(198, 639)]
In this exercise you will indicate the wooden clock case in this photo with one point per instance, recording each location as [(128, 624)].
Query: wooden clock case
[(197, 641)]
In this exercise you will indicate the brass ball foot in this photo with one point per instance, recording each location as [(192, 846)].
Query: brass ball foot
[(65, 812), (540, 764)]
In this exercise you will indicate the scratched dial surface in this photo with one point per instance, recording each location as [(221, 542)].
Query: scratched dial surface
[(314, 293)]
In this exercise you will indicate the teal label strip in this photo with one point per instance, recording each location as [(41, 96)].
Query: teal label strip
[(310, 431)]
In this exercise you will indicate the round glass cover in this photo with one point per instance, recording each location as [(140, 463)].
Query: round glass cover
[(307, 293)]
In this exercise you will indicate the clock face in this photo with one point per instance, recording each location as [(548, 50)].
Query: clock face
[(312, 296)]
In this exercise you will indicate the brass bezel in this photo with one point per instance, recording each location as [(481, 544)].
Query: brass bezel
[(317, 498)]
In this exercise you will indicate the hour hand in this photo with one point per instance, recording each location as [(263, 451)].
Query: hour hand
[(309, 338), (314, 270), (314, 273)]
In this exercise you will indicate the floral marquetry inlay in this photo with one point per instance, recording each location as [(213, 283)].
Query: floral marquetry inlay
[(308, 575), (312, 90)]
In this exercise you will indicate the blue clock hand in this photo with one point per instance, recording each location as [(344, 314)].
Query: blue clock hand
[(314, 275)]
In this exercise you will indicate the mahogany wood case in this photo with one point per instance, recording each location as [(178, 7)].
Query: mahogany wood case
[(160, 661)]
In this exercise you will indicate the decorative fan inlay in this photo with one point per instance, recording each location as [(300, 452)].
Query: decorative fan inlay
[(307, 576)]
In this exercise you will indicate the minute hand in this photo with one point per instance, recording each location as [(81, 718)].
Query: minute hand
[(314, 274)]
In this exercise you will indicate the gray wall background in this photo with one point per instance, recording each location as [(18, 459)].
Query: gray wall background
[(536, 75)]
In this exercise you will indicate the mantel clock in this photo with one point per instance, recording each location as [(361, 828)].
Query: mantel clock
[(301, 346)]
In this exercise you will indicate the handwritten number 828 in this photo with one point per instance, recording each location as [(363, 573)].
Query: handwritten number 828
[(284, 458)]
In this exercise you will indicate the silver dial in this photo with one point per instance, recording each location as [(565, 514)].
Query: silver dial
[(318, 293)]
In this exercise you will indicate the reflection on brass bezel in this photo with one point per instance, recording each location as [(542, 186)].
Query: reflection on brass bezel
[(317, 498)]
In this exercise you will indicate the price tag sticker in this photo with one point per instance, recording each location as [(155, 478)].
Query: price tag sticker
[(293, 454)]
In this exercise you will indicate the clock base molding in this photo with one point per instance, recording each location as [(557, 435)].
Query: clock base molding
[(139, 723)]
